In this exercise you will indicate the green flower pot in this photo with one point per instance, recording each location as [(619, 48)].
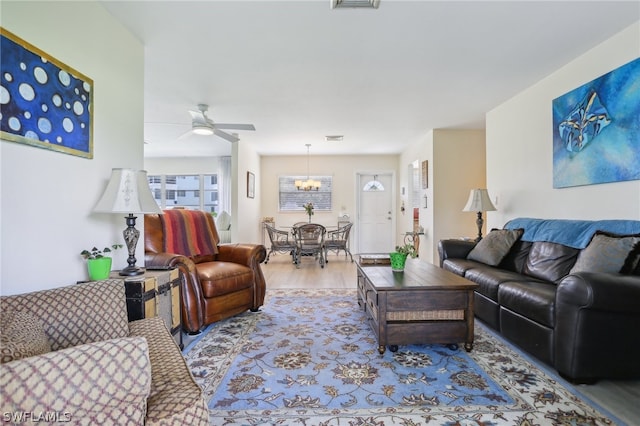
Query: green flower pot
[(397, 261), (99, 269)]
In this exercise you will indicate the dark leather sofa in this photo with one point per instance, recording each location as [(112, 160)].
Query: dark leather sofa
[(215, 285), (578, 314)]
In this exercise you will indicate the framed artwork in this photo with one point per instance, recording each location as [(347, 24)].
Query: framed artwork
[(596, 129), (425, 174), (251, 185), (45, 103)]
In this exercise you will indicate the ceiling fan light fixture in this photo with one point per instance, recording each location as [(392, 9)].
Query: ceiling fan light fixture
[(200, 129), (351, 4), (334, 138)]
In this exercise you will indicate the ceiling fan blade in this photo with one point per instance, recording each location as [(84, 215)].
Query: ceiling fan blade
[(235, 126), (224, 135), (185, 135)]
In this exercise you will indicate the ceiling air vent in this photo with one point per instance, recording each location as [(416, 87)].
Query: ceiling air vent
[(345, 4)]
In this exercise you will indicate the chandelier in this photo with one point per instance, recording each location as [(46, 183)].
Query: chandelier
[(309, 184)]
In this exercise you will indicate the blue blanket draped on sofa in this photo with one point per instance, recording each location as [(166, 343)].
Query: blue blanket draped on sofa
[(572, 233)]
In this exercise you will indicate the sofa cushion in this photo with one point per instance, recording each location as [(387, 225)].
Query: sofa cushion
[(69, 315), (609, 253), (517, 257), (533, 300), (100, 383), (459, 266), (495, 246), (489, 279), (21, 336), (550, 261), (220, 278)]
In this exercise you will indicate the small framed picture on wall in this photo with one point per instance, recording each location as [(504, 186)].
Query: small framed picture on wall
[(251, 185)]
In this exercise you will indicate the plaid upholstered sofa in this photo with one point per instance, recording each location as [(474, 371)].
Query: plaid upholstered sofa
[(69, 354)]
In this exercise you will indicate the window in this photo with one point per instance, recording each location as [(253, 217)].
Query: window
[(292, 200), (184, 191), (210, 189)]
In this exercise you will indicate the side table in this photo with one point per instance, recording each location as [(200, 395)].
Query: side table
[(155, 293)]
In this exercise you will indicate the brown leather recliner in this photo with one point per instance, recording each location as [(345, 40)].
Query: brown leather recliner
[(214, 286)]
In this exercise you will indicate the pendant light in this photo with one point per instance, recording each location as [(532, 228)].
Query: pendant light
[(309, 184)]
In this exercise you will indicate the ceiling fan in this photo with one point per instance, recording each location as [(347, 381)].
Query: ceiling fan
[(203, 125)]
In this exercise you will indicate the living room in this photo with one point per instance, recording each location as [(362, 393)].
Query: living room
[(68, 187), (511, 156)]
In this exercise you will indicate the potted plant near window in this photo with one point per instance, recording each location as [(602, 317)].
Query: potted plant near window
[(98, 264), (399, 256)]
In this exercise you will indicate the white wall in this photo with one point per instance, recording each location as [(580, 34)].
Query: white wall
[(519, 146), (246, 211), (181, 165), (342, 168), (47, 197)]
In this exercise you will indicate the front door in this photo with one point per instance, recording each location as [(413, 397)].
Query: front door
[(375, 218)]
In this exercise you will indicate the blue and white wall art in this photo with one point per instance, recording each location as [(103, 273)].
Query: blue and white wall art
[(43, 102), (596, 130)]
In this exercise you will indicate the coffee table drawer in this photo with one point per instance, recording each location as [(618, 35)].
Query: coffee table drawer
[(427, 301)]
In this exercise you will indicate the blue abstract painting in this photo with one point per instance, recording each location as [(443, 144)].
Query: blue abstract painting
[(43, 102), (596, 130)]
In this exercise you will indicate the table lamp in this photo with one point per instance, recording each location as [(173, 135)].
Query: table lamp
[(128, 192), (479, 202)]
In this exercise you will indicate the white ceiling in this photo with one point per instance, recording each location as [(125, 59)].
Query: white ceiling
[(383, 78)]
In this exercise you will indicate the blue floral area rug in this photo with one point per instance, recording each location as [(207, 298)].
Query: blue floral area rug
[(310, 358)]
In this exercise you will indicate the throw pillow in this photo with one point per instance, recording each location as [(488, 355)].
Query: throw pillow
[(609, 253), (22, 336), (495, 246)]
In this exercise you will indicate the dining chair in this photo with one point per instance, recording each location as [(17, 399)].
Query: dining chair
[(310, 242), (281, 243), (337, 240)]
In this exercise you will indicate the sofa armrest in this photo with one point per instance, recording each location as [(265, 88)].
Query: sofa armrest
[(600, 291), (595, 312), (105, 382), (244, 254), (454, 249), (251, 255), (190, 289), (164, 260), (170, 377)]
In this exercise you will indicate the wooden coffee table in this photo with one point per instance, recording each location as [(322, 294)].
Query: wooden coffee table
[(423, 304)]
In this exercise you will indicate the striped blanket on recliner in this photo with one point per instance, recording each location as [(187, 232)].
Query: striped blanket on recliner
[(188, 232)]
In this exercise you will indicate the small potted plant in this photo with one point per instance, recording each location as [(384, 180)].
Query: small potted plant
[(98, 264), (399, 256)]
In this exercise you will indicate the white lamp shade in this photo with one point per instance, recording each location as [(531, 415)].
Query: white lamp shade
[(127, 192), (479, 201)]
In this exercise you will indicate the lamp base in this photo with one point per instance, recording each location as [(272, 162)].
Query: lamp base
[(479, 222), (131, 271), (131, 235)]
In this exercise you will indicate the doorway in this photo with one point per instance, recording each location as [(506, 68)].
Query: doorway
[(376, 213)]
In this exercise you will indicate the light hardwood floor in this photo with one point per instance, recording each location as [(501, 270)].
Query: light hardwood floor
[(621, 398)]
